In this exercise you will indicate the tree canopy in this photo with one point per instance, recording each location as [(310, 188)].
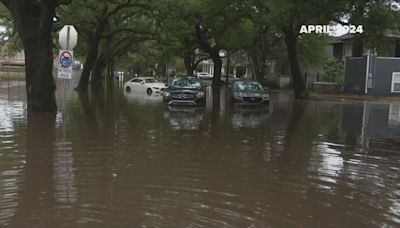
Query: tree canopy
[(156, 33)]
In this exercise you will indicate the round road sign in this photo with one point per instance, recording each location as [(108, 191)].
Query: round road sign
[(66, 59)]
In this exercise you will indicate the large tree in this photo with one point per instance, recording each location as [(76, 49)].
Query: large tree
[(265, 43), (33, 21), (99, 24), (380, 20), (203, 28), (289, 16)]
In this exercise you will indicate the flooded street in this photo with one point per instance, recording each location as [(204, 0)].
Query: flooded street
[(110, 158)]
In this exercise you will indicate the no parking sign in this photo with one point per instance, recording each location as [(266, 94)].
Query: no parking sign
[(65, 64)]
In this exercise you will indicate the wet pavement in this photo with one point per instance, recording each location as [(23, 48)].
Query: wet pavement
[(109, 159)]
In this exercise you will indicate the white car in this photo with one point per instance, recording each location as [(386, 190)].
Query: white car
[(144, 85), (204, 75)]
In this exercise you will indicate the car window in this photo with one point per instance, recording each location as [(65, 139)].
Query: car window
[(186, 83), (248, 86), (135, 80), (150, 80)]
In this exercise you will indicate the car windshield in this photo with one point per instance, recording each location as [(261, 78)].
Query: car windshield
[(248, 86), (150, 80), (186, 83)]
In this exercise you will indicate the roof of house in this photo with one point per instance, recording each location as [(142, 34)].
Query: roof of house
[(348, 36)]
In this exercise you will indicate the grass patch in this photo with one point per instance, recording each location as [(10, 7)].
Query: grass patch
[(351, 97), (340, 96)]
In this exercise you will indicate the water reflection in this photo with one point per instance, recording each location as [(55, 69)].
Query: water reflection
[(142, 98), (37, 191), (111, 160), (371, 120), (11, 111), (184, 118), (12, 158), (250, 117)]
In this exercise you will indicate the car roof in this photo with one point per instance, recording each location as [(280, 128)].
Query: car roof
[(143, 78)]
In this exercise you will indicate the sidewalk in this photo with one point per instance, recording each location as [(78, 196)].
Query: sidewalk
[(344, 97)]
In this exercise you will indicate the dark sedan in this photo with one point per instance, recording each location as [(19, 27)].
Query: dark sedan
[(248, 92), (185, 91)]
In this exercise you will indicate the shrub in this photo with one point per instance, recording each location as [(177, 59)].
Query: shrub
[(333, 70)]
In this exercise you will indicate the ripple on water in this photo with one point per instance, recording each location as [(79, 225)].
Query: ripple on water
[(112, 166), (12, 158)]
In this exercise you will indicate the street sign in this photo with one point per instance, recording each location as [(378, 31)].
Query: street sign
[(65, 60), (68, 37)]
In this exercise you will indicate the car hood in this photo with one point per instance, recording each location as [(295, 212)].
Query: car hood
[(177, 89), (252, 94)]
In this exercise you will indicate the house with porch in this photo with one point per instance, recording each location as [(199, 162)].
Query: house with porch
[(240, 67)]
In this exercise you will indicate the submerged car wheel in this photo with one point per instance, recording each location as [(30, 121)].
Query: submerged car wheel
[(128, 89), (149, 91)]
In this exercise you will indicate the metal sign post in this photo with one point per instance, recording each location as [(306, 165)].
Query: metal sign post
[(68, 38)]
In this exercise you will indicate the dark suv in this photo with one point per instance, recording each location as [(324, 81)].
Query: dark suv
[(248, 92), (185, 91)]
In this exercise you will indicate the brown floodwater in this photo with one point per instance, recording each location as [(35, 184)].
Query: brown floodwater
[(109, 159)]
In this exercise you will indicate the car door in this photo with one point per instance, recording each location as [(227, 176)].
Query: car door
[(135, 84), (142, 85)]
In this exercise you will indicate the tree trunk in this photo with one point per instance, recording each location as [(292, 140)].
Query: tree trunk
[(188, 61), (91, 58), (98, 73), (260, 73), (33, 21), (298, 82), (212, 51), (111, 69), (258, 68), (217, 68), (88, 66)]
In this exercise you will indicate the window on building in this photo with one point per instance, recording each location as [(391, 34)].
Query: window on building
[(396, 82)]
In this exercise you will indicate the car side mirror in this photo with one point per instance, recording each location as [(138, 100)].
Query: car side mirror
[(142, 83)]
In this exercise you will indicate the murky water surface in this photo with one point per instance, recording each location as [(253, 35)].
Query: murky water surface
[(109, 159)]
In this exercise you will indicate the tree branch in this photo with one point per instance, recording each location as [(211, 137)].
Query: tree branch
[(6, 3), (128, 4)]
